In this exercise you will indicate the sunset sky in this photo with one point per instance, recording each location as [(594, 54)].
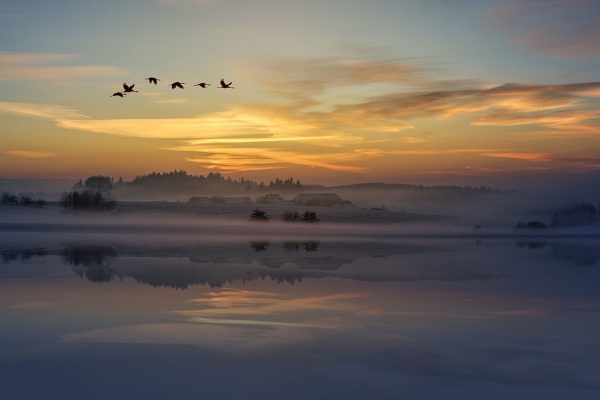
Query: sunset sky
[(326, 91)]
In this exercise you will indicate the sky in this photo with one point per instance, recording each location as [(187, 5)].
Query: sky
[(325, 91)]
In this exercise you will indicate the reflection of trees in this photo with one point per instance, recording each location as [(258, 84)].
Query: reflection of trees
[(218, 265), (23, 255), (533, 244), (296, 246), (213, 276), (311, 246), (585, 256), (260, 245), (91, 261), (582, 255)]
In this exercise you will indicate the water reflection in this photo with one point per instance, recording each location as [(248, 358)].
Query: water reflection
[(415, 319), (22, 255), (289, 262), (585, 256), (532, 244), (91, 261), (218, 265), (577, 254)]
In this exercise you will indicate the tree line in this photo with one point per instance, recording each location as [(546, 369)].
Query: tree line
[(21, 200), (181, 181)]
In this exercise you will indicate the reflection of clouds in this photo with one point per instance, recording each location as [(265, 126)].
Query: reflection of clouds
[(250, 303), (240, 319), (348, 330)]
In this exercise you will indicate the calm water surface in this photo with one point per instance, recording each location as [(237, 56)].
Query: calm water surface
[(129, 317)]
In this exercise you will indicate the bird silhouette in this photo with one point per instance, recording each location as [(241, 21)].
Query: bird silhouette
[(152, 80), (177, 85), (226, 85), (203, 85), (118, 94), (129, 89)]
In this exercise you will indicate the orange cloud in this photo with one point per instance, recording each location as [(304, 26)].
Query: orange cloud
[(46, 111), (521, 156), (29, 153)]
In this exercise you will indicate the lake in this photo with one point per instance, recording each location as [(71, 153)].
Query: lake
[(100, 315)]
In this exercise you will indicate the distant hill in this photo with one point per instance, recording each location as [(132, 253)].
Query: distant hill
[(180, 183), (412, 187)]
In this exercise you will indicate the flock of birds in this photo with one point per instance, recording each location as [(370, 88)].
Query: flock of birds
[(175, 85)]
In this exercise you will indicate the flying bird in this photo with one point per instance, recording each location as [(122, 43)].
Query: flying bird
[(152, 80), (118, 94), (226, 85), (129, 89), (177, 85), (203, 85)]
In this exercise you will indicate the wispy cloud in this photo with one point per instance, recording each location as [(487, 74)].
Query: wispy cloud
[(520, 156), (551, 106), (36, 110), (313, 75), (48, 67), (237, 159), (29, 153)]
